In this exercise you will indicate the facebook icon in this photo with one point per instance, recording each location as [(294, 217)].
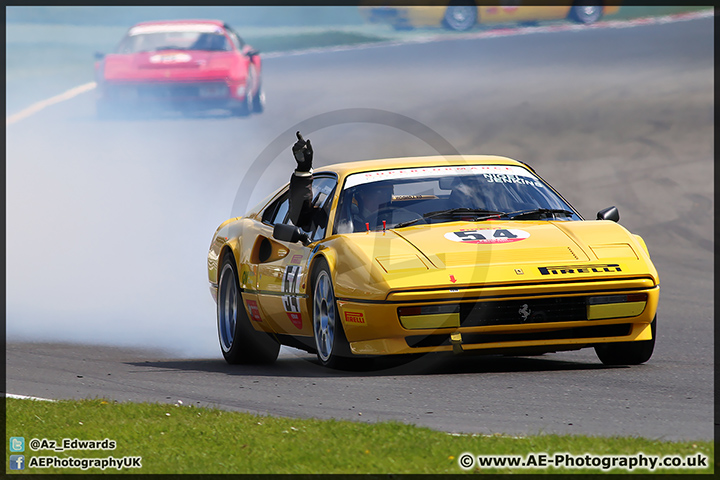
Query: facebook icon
[(17, 462)]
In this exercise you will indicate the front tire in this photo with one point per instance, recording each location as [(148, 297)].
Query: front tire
[(239, 341), (628, 353), (585, 14), (333, 349), (460, 15)]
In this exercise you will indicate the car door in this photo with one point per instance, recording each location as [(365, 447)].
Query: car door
[(519, 11), (283, 277)]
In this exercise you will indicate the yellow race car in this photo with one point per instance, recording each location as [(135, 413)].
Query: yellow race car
[(431, 254), (462, 15)]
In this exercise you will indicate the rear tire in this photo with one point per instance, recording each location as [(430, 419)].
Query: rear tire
[(248, 104), (244, 109), (239, 341), (258, 102), (628, 353)]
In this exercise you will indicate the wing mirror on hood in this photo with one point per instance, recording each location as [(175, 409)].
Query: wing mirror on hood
[(290, 233), (610, 213)]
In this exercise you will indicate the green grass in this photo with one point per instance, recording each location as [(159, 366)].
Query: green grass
[(303, 41), (182, 439), (628, 12)]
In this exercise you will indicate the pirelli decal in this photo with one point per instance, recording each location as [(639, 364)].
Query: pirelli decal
[(355, 317), (580, 269)]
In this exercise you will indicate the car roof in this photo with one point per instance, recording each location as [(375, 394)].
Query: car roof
[(344, 169)]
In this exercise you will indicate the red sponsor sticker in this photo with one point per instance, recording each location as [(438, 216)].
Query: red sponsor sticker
[(254, 310), (295, 318), (296, 259), (354, 317)]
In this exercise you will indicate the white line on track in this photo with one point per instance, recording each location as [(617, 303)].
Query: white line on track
[(36, 107), (26, 397), (501, 32)]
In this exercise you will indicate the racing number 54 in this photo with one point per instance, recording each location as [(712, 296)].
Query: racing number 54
[(501, 233)]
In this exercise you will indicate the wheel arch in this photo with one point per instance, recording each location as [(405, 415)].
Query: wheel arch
[(330, 258), (226, 250), (231, 248)]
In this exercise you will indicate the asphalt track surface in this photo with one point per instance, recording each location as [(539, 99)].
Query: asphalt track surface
[(609, 117)]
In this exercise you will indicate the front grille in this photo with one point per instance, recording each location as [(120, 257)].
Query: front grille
[(595, 331), (514, 312)]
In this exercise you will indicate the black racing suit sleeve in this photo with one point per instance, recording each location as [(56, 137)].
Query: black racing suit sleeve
[(301, 199)]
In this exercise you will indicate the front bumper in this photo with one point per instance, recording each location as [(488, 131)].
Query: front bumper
[(489, 320)]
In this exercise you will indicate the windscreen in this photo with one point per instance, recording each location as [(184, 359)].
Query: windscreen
[(414, 196), (151, 38)]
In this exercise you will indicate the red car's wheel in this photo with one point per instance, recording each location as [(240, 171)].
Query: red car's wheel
[(258, 102), (248, 104)]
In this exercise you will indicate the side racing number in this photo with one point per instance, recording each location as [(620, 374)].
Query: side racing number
[(290, 287), (291, 279)]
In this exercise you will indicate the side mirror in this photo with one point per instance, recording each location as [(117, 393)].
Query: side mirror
[(610, 213), (99, 55), (290, 233), (252, 53)]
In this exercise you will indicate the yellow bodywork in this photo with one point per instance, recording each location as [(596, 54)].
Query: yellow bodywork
[(376, 273), (418, 15)]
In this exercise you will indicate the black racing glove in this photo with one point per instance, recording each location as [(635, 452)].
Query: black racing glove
[(303, 154)]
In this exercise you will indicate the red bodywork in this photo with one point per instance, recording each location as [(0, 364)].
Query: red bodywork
[(181, 76)]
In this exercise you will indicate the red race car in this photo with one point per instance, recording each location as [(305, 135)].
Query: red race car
[(183, 65)]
